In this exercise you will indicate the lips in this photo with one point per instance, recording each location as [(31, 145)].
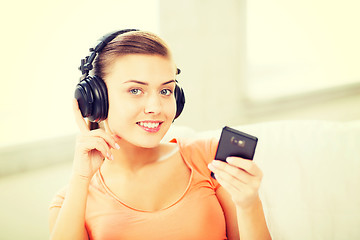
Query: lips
[(150, 126)]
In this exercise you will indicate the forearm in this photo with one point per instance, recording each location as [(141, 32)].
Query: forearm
[(70, 222), (252, 223)]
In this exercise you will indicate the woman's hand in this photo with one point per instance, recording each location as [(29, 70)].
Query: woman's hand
[(91, 148), (241, 178)]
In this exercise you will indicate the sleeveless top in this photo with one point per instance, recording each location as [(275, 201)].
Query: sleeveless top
[(197, 214)]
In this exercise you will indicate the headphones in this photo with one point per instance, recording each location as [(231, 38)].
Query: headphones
[(91, 92)]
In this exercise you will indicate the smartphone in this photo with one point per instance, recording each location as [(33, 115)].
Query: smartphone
[(235, 143)]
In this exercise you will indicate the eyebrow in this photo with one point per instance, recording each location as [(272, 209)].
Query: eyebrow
[(146, 84)]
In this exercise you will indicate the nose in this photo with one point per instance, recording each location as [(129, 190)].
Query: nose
[(153, 104)]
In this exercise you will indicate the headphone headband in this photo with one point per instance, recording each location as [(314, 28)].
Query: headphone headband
[(87, 62)]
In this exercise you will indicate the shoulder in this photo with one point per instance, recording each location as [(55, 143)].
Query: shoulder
[(201, 147), (198, 152)]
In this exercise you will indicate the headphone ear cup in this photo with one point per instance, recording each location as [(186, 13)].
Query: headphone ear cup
[(104, 101), (100, 103), (85, 98), (180, 100)]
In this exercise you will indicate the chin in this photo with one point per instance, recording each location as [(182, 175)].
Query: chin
[(146, 142), (144, 136)]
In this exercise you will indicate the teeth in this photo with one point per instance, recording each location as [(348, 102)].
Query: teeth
[(149, 124)]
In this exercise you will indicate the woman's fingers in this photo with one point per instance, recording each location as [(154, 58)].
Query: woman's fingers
[(91, 146), (89, 143), (229, 181), (100, 140), (80, 121), (247, 165), (237, 171), (102, 147), (110, 140), (225, 170), (241, 178)]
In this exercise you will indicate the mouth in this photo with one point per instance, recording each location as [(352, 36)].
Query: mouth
[(150, 126)]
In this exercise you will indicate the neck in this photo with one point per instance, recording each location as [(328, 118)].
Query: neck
[(130, 158)]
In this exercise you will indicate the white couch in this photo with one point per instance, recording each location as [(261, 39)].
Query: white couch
[(311, 184)]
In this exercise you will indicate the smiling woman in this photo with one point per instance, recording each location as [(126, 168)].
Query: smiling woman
[(124, 170)]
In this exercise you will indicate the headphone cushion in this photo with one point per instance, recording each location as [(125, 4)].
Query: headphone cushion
[(84, 96), (97, 109), (104, 97), (92, 97), (180, 100)]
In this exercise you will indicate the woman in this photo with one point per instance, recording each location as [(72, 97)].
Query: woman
[(126, 184)]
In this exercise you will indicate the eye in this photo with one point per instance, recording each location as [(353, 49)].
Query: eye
[(135, 91), (166, 92)]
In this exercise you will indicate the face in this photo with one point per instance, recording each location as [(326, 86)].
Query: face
[(142, 105)]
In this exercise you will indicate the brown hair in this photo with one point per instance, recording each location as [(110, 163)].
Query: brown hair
[(134, 42)]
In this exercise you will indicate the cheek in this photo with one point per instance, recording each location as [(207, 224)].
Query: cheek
[(170, 108), (119, 109)]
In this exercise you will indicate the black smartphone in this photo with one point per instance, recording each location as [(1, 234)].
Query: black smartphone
[(235, 143)]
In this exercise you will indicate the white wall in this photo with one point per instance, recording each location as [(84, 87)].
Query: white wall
[(209, 45), (250, 61)]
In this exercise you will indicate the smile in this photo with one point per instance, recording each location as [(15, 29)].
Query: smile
[(150, 126)]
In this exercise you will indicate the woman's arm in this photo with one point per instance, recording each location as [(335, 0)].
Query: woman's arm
[(68, 222), (251, 221), (229, 209), (91, 148), (240, 180)]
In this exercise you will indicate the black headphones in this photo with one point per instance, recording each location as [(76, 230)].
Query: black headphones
[(91, 91)]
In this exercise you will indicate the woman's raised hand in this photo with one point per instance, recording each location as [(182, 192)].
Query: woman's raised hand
[(241, 178), (91, 148)]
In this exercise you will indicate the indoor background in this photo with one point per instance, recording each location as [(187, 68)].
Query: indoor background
[(242, 62)]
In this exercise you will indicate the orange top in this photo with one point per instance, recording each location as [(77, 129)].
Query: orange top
[(196, 215)]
